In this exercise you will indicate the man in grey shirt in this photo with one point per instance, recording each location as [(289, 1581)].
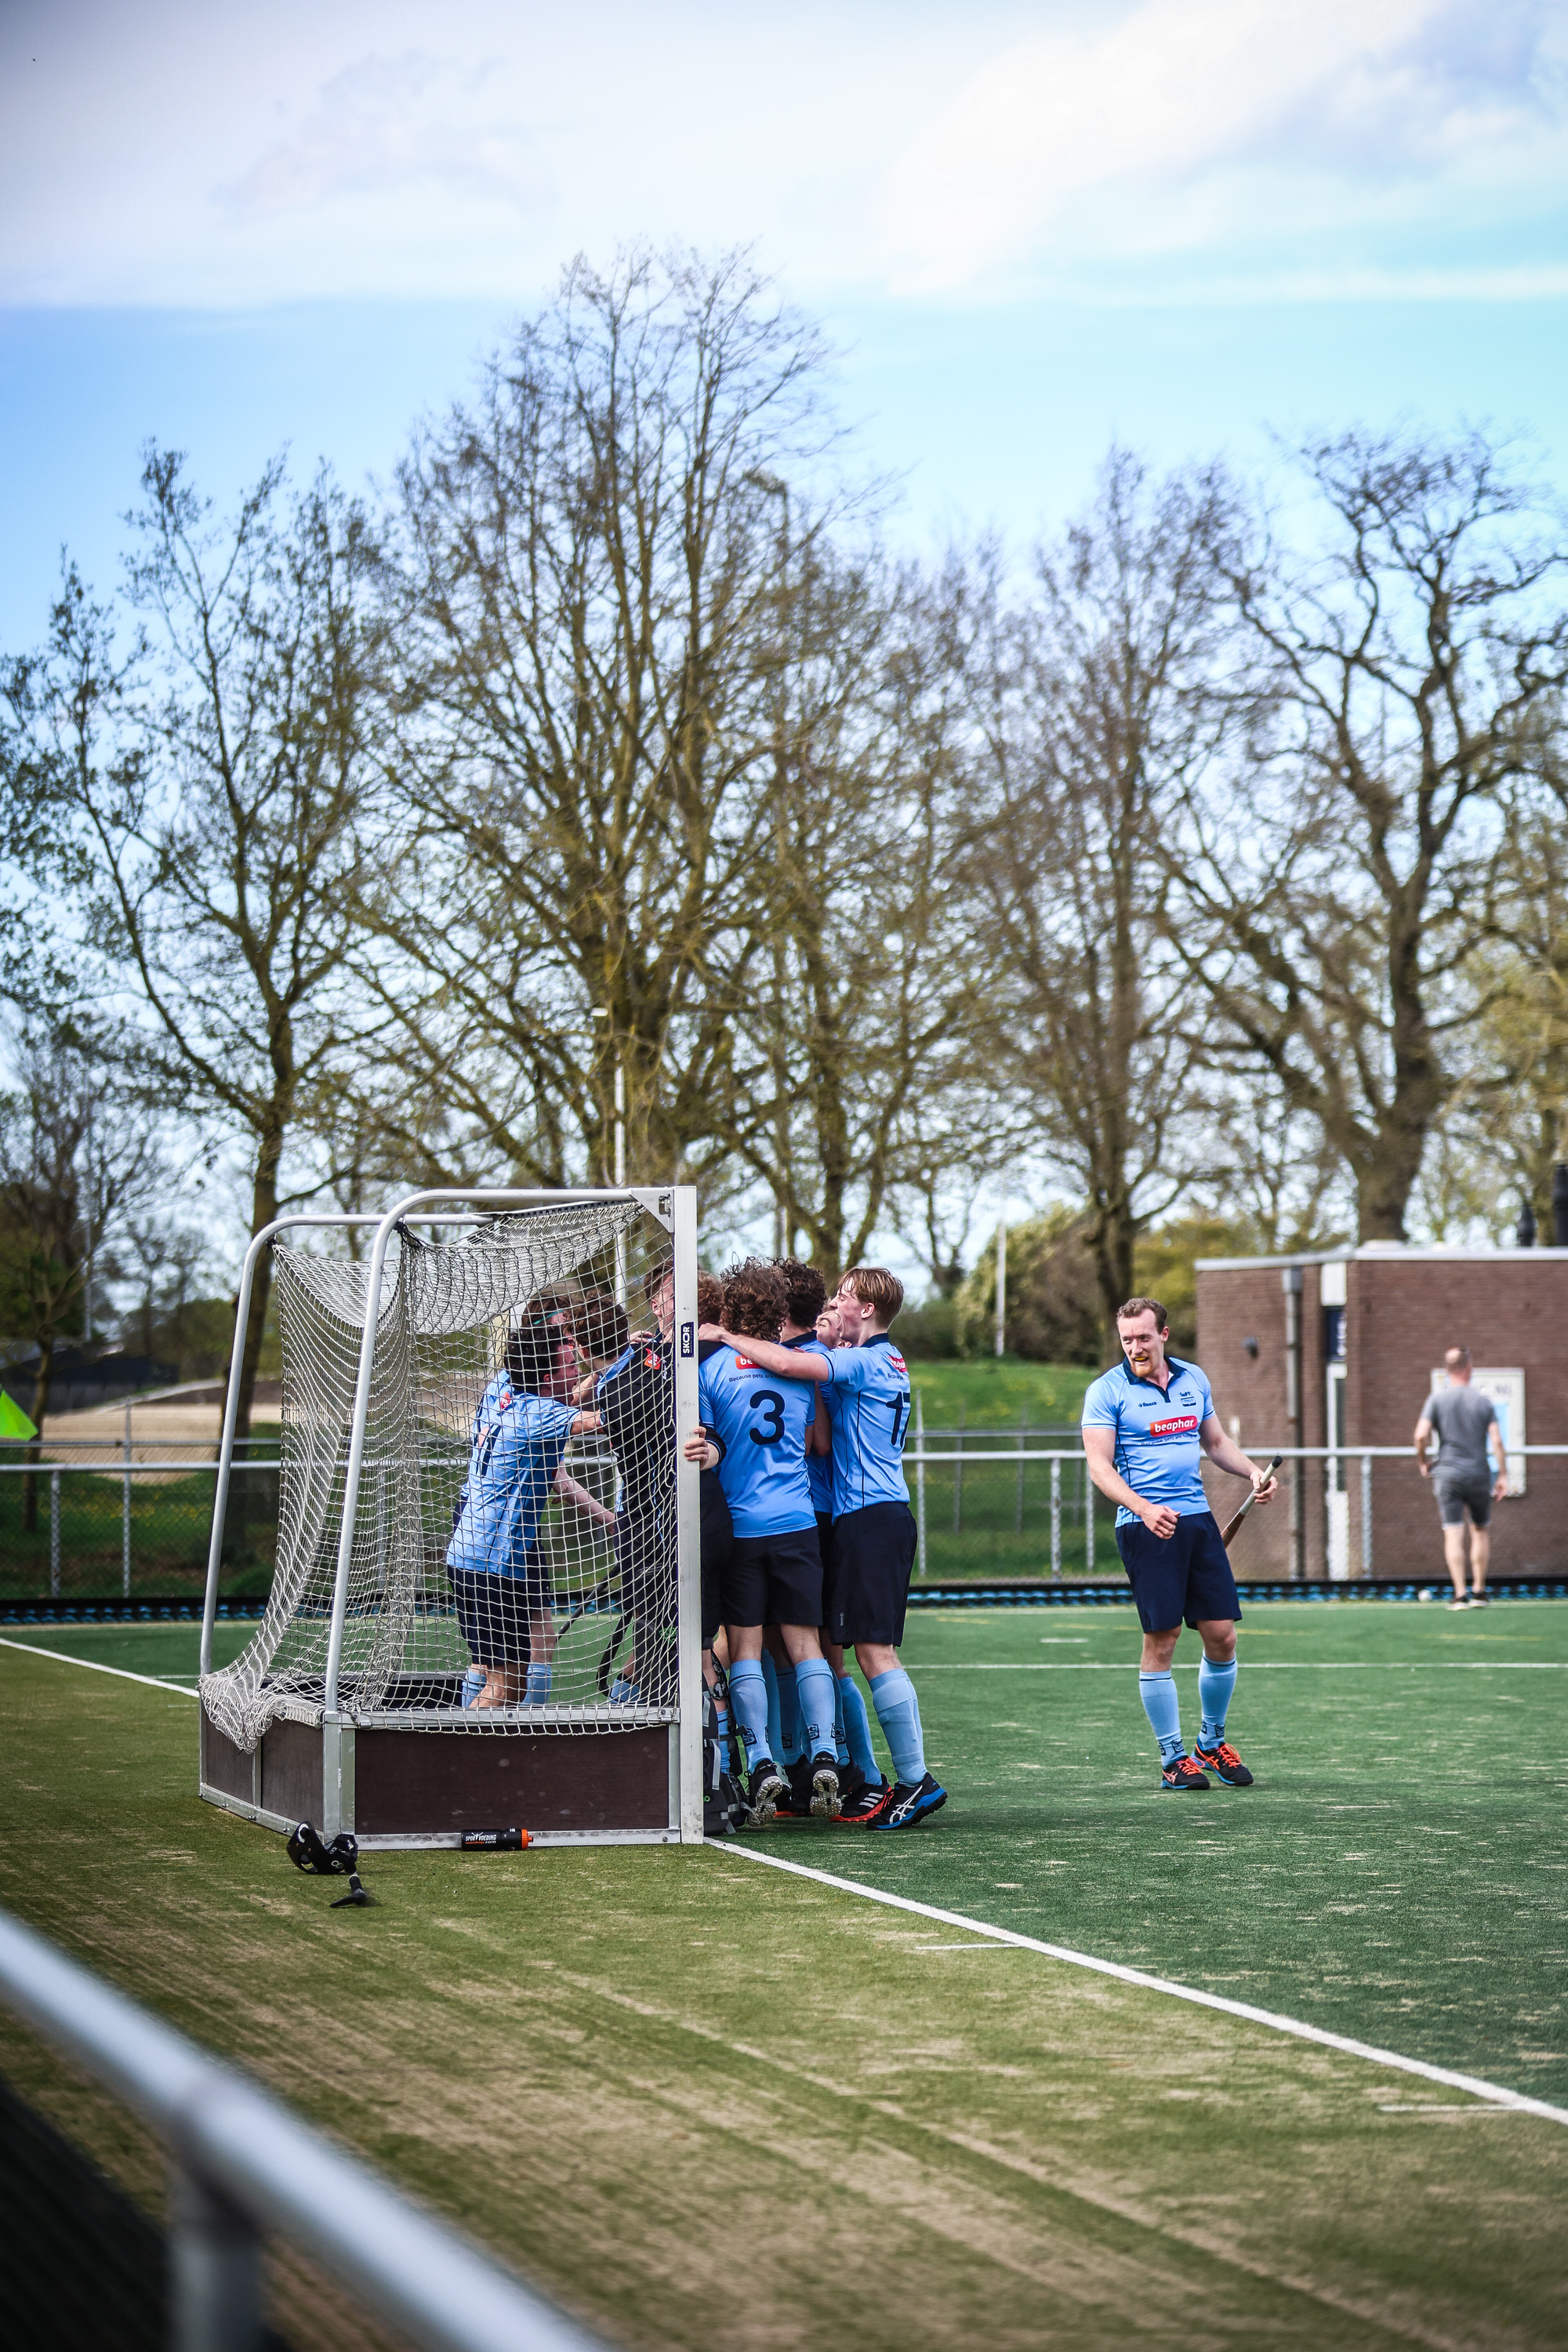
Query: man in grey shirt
[(1466, 1428)]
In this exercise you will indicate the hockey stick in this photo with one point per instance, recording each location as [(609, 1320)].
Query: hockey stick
[(1231, 1524)]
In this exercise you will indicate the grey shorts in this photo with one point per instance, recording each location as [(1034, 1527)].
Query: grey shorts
[(1456, 1497)]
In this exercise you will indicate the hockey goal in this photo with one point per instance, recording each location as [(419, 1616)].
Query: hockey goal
[(484, 1613)]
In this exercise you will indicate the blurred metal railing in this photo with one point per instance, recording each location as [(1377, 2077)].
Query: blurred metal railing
[(998, 1501), (993, 1511), (243, 2166)]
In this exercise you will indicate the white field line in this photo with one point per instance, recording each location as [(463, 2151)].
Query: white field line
[(1257, 1666), (1495, 2093), (37, 1649)]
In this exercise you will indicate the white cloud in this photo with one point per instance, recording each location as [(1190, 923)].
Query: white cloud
[(1199, 126), (385, 123), (1123, 149)]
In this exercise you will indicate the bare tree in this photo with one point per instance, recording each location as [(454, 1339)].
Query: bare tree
[(75, 1159), (1334, 899), (201, 791), (1095, 719), (849, 1033), (1504, 1127), (566, 891)]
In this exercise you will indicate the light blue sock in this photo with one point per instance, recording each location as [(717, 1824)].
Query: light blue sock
[(537, 1688), (473, 1684), (857, 1728), (840, 1745), (1158, 1693), (622, 1693), (721, 1714), (899, 1713), (748, 1698), (792, 1737), (1216, 1684), (776, 1724), (813, 1688)]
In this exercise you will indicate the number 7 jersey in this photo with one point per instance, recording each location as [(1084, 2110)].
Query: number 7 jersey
[(760, 1422), (868, 1401)]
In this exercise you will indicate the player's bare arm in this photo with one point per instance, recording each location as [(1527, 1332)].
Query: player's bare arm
[(1494, 1446), (1422, 1440), (1099, 1449), (567, 1487), (784, 1364), (1226, 1455)]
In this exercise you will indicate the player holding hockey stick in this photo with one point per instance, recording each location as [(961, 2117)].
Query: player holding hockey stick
[(1146, 1426)]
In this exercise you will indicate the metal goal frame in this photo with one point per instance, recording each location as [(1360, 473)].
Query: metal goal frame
[(674, 1206)]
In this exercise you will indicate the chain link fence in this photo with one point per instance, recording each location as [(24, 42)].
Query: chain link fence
[(79, 1520), (991, 1503)]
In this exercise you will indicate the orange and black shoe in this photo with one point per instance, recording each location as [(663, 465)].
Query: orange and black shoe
[(858, 1812), (1181, 1772), (1223, 1761)]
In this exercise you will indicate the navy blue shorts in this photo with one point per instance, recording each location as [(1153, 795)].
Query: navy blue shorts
[(1185, 1579), (773, 1579), (873, 1559), (497, 1612), (718, 1540), (825, 1546)]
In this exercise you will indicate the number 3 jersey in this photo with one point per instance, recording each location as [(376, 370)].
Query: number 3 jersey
[(868, 1401), (760, 1422)]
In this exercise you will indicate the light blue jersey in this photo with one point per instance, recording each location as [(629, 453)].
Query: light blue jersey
[(868, 1401), (762, 1424), (511, 1473), (491, 1405), (1157, 1446), (819, 1466)]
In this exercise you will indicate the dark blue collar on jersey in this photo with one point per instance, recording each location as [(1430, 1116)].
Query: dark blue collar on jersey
[(1136, 1380)]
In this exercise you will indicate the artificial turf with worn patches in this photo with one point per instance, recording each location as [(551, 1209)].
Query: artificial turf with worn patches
[(685, 2092)]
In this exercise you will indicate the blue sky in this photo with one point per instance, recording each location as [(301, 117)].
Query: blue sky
[(1028, 228)]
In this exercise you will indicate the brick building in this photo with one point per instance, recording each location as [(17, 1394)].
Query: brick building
[(1338, 1350)]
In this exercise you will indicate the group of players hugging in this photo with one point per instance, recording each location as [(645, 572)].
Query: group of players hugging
[(808, 1541)]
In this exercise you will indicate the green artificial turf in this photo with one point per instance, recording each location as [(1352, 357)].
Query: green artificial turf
[(690, 2092), (173, 1651)]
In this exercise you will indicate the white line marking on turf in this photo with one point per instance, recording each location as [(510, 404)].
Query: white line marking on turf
[(37, 1650), (1254, 1665), (1495, 2094)]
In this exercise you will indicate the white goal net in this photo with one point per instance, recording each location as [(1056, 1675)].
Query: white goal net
[(513, 1557)]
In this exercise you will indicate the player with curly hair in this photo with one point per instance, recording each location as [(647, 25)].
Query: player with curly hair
[(754, 1430)]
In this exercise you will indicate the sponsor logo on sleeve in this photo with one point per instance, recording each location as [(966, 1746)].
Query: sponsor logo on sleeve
[(1175, 1424), (897, 1361)]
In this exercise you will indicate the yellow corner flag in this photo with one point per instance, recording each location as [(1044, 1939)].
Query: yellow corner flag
[(14, 1422)]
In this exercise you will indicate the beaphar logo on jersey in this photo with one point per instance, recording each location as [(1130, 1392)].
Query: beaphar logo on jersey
[(1176, 1425), (744, 1364), (897, 1361)]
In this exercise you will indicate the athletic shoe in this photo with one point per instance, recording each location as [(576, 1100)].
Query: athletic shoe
[(825, 1793), (910, 1802), (1480, 1601), (859, 1812), (851, 1781), (1223, 1761), (767, 1785), (1181, 1773), (1459, 1602)]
